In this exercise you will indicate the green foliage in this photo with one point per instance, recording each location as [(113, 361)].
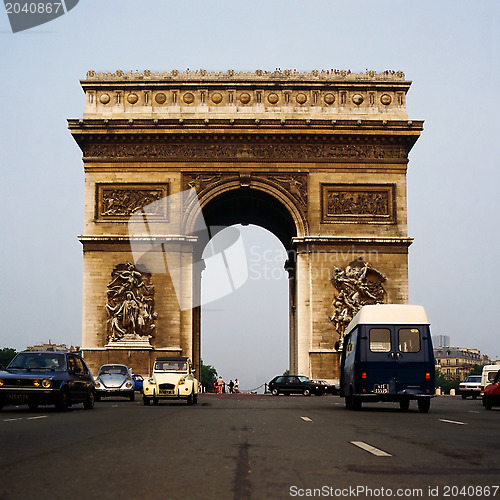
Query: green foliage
[(7, 355), (208, 376), (286, 372), (477, 370), (446, 384)]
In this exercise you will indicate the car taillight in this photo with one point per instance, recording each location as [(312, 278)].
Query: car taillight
[(363, 375), (427, 376)]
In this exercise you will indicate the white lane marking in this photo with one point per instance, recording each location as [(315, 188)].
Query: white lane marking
[(306, 419), (36, 418), (11, 419), (473, 411), (452, 421), (370, 449)]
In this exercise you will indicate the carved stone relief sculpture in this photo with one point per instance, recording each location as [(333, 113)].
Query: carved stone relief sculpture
[(130, 306), (120, 201), (358, 284)]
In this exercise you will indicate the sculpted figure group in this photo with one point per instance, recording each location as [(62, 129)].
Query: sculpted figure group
[(130, 304)]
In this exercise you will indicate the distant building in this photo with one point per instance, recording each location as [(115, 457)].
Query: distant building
[(441, 341), (52, 347), (456, 362)]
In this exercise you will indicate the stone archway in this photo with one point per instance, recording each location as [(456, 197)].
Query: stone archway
[(318, 158)]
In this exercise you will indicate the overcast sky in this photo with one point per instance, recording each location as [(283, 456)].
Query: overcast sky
[(449, 49)]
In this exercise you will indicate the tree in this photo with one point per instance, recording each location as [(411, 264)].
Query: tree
[(208, 376), (446, 384), (7, 355), (476, 370)]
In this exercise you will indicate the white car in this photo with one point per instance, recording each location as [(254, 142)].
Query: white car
[(471, 386), (172, 378)]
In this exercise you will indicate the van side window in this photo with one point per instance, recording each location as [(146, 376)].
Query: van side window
[(409, 340), (380, 340)]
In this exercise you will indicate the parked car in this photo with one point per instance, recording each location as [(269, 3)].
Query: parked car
[(295, 384), (491, 396), (114, 380), (173, 378), (47, 378), (328, 388), (138, 382), (471, 386)]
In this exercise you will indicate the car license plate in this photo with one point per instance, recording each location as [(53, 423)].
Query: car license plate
[(381, 388), (166, 392), (17, 397)]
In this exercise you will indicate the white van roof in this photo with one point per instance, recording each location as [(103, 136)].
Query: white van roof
[(389, 314)]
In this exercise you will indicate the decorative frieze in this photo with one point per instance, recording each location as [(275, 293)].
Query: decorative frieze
[(117, 202), (358, 203), (243, 150)]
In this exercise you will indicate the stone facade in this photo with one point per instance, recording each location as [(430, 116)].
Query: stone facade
[(318, 158)]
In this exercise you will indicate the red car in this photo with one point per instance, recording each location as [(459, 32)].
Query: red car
[(491, 396)]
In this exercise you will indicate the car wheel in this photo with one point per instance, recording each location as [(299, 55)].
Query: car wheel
[(424, 404), (464, 396), (33, 405), (88, 404), (404, 404), (155, 401), (189, 399), (474, 396), (146, 400), (63, 401), (275, 392), (306, 392), (132, 396), (97, 397), (195, 399)]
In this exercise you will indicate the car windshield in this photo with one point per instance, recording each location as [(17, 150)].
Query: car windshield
[(39, 361), (113, 370), (171, 366), (303, 379), (474, 378)]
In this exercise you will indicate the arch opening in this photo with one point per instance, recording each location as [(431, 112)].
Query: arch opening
[(248, 330)]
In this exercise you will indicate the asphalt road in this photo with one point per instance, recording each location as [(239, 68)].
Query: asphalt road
[(250, 447)]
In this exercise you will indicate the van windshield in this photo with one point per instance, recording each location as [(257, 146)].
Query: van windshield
[(380, 340)]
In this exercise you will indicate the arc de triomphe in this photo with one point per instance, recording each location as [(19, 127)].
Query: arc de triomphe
[(318, 158)]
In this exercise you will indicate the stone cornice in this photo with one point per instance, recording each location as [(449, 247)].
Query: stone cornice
[(342, 240)]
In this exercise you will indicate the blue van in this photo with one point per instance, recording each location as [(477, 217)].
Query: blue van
[(387, 356)]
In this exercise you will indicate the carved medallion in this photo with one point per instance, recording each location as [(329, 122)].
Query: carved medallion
[(130, 305), (358, 203), (119, 201), (358, 285)]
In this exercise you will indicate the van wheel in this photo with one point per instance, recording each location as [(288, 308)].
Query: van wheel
[(487, 404), (348, 402), (356, 403), (404, 404), (424, 404)]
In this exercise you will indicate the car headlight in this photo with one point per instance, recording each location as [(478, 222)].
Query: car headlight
[(37, 383), (46, 384), (182, 381), (1, 382), (128, 385), (151, 380), (97, 384)]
